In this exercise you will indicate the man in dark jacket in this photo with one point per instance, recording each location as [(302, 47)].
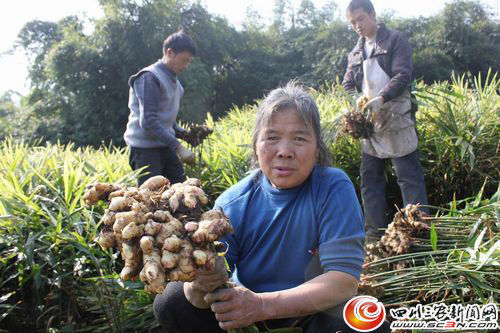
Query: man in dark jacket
[(380, 67), (155, 94)]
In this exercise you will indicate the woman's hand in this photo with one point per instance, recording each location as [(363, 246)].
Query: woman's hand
[(208, 281), (205, 282), (236, 307)]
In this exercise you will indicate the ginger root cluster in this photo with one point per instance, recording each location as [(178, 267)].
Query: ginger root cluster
[(398, 237), (159, 229), (354, 122)]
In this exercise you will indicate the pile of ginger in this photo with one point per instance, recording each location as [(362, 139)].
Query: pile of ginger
[(159, 229)]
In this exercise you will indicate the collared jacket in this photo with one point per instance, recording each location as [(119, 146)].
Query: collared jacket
[(394, 55), (394, 125)]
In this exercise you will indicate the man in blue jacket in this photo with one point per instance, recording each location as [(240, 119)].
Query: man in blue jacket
[(380, 67), (154, 98)]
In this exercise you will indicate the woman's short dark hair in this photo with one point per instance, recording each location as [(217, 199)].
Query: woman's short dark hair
[(180, 42), (366, 5), (291, 96)]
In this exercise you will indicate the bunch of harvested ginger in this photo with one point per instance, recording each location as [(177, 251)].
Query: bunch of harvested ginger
[(160, 230)]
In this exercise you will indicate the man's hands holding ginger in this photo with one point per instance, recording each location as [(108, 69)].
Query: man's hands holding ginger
[(185, 155), (375, 104), (236, 307)]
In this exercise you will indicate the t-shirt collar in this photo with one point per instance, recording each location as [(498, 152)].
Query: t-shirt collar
[(281, 193)]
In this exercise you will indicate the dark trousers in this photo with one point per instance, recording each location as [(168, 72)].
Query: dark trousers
[(176, 315), (410, 178), (158, 161)]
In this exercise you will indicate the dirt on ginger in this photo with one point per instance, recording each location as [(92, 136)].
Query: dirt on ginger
[(197, 134), (354, 122)]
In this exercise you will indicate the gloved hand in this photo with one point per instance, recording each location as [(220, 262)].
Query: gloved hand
[(180, 134), (361, 102), (185, 155), (375, 104)]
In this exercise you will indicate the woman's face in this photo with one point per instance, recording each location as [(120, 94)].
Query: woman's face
[(286, 150)]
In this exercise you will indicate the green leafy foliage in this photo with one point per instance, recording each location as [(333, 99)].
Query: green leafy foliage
[(434, 237), (456, 124), (53, 275), (16, 120)]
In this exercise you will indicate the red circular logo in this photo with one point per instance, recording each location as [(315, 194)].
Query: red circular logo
[(364, 313)]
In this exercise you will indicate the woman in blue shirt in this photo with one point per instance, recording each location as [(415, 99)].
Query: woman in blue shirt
[(297, 249)]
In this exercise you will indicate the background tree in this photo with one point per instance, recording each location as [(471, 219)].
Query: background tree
[(79, 90), (461, 38), (14, 120), (469, 37)]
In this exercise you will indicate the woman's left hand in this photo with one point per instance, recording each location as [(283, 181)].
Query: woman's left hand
[(208, 281), (236, 307)]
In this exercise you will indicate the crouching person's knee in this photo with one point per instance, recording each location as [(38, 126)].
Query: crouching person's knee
[(175, 314), (166, 306)]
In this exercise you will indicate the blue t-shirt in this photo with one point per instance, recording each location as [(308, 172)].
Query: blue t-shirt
[(283, 236)]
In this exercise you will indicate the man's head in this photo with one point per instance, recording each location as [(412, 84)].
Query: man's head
[(362, 17), (178, 50)]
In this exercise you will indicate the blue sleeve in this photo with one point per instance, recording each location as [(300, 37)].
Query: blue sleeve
[(147, 90), (341, 230)]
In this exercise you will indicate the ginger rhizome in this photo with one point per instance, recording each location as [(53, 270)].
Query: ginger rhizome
[(160, 230), (397, 240), (355, 123)]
